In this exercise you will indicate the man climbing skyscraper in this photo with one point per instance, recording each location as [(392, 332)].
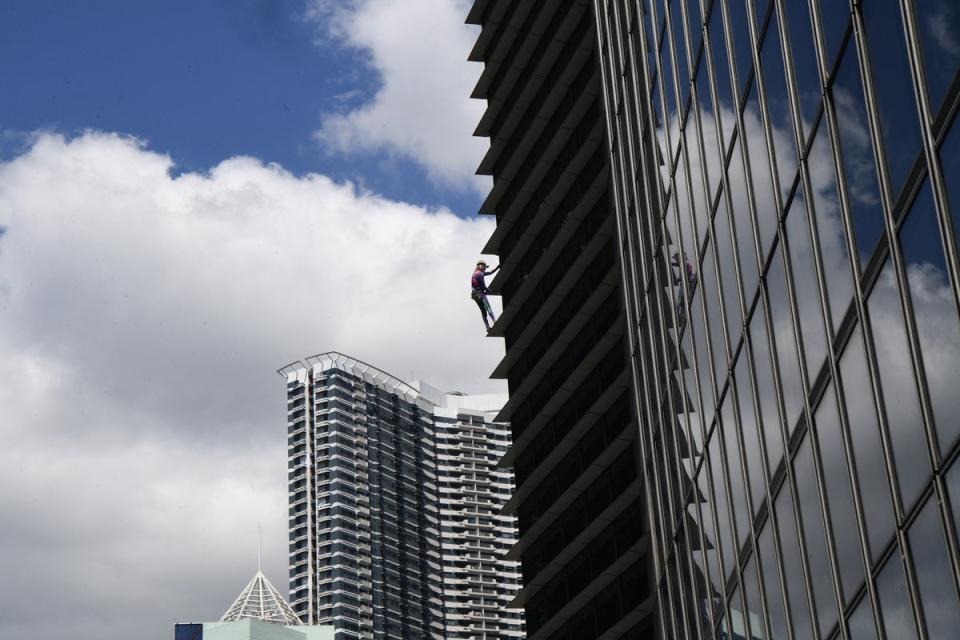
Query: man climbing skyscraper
[(478, 291)]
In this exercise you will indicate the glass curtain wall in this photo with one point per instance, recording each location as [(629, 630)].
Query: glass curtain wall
[(786, 179)]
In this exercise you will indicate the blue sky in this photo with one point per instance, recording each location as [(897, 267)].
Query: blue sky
[(156, 270), (200, 81)]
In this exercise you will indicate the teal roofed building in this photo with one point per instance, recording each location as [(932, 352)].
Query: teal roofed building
[(258, 613), (250, 629)]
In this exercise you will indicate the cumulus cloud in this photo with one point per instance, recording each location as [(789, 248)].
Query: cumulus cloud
[(421, 110), (142, 318)]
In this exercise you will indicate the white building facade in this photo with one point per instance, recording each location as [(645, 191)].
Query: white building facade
[(394, 497)]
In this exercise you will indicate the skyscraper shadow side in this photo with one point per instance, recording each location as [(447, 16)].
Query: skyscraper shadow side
[(584, 543)]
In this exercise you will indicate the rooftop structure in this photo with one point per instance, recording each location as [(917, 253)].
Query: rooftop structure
[(260, 600)]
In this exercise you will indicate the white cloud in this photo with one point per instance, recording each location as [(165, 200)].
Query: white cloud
[(939, 24), (142, 318), (422, 110)]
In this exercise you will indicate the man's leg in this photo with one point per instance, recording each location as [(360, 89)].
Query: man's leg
[(489, 309), (483, 310)]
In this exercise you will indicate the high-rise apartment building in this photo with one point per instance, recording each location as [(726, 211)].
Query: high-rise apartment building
[(479, 582), (583, 538), (394, 499), (785, 178)]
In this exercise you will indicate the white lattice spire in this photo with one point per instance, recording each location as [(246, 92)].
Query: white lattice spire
[(261, 601)]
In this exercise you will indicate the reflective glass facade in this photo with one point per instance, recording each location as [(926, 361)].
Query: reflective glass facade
[(786, 184)]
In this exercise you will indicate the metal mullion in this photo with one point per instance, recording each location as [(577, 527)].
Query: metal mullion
[(768, 476), (740, 134), (672, 578), (859, 312), (688, 295), (668, 392), (906, 308), (705, 184), (751, 537), (704, 468), (806, 416), (651, 118), (661, 521), (733, 391), (659, 34), (780, 235), (691, 578), (939, 189), (666, 579), (724, 179), (896, 256), (893, 247), (765, 120), (766, 318), (671, 51), (671, 452), (644, 436), (667, 153), (806, 185), (697, 469)]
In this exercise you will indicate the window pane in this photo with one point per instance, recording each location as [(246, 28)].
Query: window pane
[(718, 43), (939, 22), (708, 404), (899, 118), (833, 245), (740, 195), (693, 400), (858, 161), (805, 284), (793, 565), (771, 580), (751, 588), (702, 206), (770, 419), (680, 49), (738, 494), (938, 595), (766, 204), (867, 449), (953, 491), (728, 274), (708, 131), (934, 311), (708, 523), (800, 30), (815, 537), (839, 495), (835, 17), (714, 318), (899, 388), (724, 523), (950, 160), (861, 621), (741, 45), (793, 391), (778, 108), (895, 606), (748, 429)]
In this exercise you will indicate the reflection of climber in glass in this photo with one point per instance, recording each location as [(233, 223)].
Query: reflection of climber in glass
[(478, 291), (676, 261)]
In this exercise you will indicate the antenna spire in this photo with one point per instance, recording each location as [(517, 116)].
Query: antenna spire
[(259, 544)]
